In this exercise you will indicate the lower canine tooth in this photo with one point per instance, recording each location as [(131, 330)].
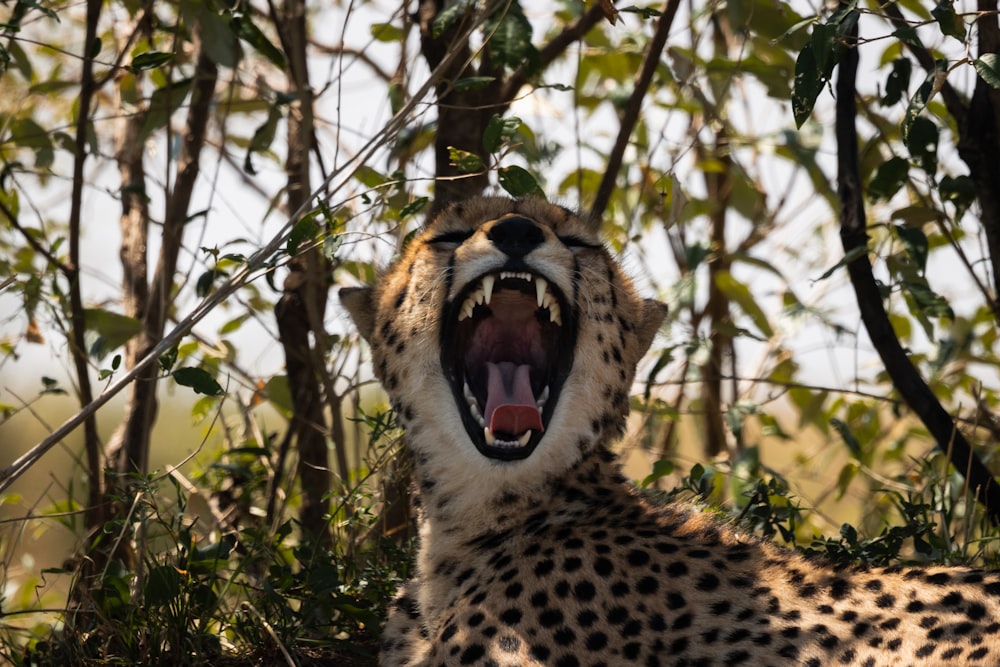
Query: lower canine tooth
[(523, 440), (490, 438)]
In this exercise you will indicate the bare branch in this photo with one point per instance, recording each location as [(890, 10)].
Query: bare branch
[(92, 445), (631, 115), (33, 242)]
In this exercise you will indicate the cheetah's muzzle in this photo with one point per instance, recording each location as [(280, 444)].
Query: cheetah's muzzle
[(507, 348)]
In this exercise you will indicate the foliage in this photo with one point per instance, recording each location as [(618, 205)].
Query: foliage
[(245, 182)]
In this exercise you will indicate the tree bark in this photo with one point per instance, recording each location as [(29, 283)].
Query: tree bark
[(300, 311), (94, 515), (128, 450)]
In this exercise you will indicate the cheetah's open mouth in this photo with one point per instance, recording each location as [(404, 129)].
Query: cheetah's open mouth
[(507, 347)]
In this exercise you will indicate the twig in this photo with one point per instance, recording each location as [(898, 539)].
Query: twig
[(555, 48), (92, 444), (631, 115), (33, 242)]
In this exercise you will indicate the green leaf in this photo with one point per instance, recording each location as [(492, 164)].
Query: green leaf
[(807, 85), (233, 324), (916, 215), (922, 142), (740, 293), (661, 469), (370, 177), (951, 24), (218, 38), (387, 32), (203, 287), (464, 160), (908, 35), (248, 31), (988, 67), (472, 83), (279, 395), (26, 133), (198, 379), (847, 259), (919, 100), (262, 137), (519, 182), (151, 60), (51, 386), (168, 359), (889, 178), (163, 584), (960, 191), (499, 129), (845, 432), (414, 206), (844, 479), (164, 101), (112, 329), (304, 230), (449, 15), (915, 243), (898, 82), (508, 32), (824, 45), (929, 302)]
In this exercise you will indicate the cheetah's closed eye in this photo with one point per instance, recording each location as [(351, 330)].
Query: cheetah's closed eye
[(507, 338)]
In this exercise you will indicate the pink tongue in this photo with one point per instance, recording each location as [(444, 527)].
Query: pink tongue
[(510, 403)]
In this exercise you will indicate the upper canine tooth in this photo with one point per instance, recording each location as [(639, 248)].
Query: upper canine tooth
[(541, 286), (487, 291)]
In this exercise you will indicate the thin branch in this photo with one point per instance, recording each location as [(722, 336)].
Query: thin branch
[(33, 242), (92, 444), (631, 115), (359, 54), (957, 107), (553, 50), (905, 377)]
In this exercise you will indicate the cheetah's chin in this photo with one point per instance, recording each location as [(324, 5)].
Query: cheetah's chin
[(506, 349)]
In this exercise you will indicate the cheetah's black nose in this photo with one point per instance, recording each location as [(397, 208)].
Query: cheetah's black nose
[(516, 236)]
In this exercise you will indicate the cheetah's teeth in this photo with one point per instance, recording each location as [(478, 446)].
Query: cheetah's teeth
[(483, 295), (487, 287), (473, 404), (542, 398), (541, 290), (493, 441)]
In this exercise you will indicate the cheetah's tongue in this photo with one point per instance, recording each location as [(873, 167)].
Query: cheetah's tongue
[(510, 403)]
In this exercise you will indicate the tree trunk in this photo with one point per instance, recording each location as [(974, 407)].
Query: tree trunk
[(301, 309)]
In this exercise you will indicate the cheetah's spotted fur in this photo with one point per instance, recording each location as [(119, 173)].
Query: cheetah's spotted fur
[(534, 549)]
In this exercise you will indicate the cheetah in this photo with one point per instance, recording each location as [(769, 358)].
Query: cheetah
[(507, 338)]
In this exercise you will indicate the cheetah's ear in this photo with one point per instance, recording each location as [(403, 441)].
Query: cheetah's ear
[(650, 320), (360, 305)]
